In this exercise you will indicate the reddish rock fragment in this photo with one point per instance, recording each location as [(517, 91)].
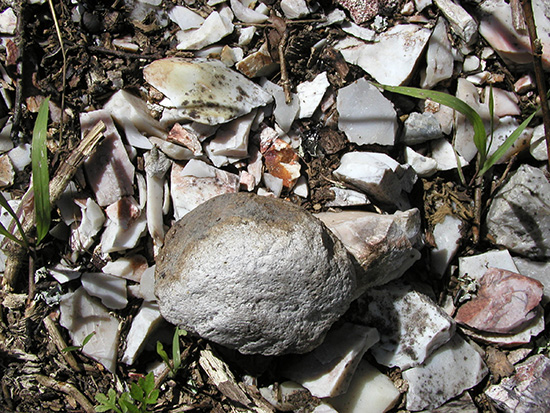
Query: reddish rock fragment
[(361, 10), (281, 161), (506, 302), (182, 136)]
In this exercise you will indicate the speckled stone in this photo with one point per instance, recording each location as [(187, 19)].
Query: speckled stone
[(257, 274)]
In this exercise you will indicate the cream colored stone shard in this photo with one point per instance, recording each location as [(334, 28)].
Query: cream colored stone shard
[(204, 90)]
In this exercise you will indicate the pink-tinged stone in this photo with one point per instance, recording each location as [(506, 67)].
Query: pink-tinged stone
[(109, 170), (124, 212), (361, 10), (526, 391), (281, 161), (506, 302), (185, 137)]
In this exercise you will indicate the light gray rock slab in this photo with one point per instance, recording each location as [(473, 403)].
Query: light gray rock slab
[(215, 27), (421, 127), (311, 93), (285, 113), (423, 166), (143, 325), (527, 390), (439, 57), (365, 115), (461, 22), (405, 42), (475, 266), (254, 273), (537, 147), (505, 126), (385, 246), (445, 156), (295, 9), (8, 21), (462, 404), (328, 370), (347, 197), (82, 315), (109, 170), (197, 182), (185, 18), (369, 391), (451, 369), (519, 216), (20, 156), (109, 289), (380, 176), (411, 325), (447, 236), (205, 91), (538, 270), (246, 14)]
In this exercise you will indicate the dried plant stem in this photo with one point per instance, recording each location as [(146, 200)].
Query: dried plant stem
[(60, 343), (16, 253), (68, 389), (64, 72), (536, 47), (282, 63), (478, 196)]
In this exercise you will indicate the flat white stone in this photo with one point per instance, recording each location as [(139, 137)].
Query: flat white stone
[(310, 94), (125, 226), (285, 113), (360, 32), (381, 177), (206, 91), (7, 172), (451, 369), (440, 60), (421, 127), (404, 42), (108, 170), (301, 189), (213, 29), (172, 150), (82, 315), (525, 83), (471, 64), (461, 22), (258, 64), (447, 236), (295, 9), (20, 156), (185, 18), (273, 184), (232, 138), (444, 114), (445, 156), (538, 147), (327, 371), (64, 273), (5, 136), (411, 325), (504, 128), (347, 197), (365, 115), (144, 324), (132, 114), (476, 266), (369, 391), (109, 289), (537, 270), (8, 21), (385, 246), (422, 165), (505, 102), (196, 183), (130, 267), (147, 284), (245, 35), (246, 14), (464, 137), (82, 237)]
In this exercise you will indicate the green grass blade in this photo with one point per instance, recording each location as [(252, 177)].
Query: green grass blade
[(4, 204), (40, 173), (506, 145), (480, 138)]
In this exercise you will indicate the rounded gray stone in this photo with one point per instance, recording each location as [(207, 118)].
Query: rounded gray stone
[(253, 273)]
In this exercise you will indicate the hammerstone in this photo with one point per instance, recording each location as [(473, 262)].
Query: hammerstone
[(253, 273)]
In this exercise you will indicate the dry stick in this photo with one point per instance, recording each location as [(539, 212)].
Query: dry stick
[(64, 72), (15, 252), (60, 343), (68, 389), (284, 72), (536, 47)]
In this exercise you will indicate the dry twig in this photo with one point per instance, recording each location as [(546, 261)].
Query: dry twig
[(60, 343), (68, 389)]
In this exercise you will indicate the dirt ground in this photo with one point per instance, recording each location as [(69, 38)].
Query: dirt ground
[(95, 69)]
